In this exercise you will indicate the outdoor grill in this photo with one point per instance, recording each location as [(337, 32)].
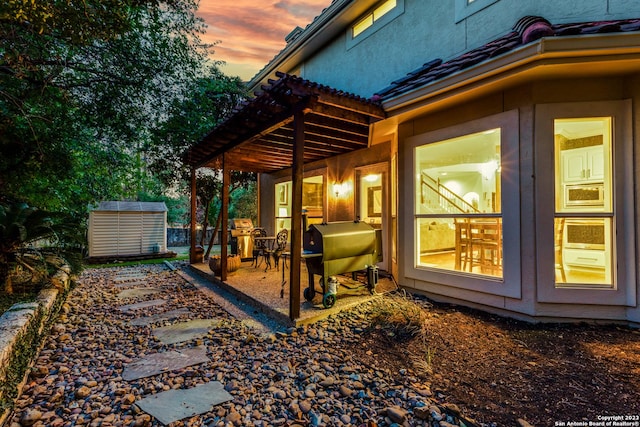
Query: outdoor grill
[(241, 242), (336, 248)]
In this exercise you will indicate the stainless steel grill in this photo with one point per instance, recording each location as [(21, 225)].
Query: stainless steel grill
[(336, 248), (241, 241)]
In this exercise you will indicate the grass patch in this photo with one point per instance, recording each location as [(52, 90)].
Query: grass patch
[(139, 262)]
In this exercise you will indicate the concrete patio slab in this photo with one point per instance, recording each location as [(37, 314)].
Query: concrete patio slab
[(157, 363), (137, 292), (143, 304), (185, 331), (167, 315), (174, 405)]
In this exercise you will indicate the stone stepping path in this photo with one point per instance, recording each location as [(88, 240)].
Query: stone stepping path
[(128, 284), (157, 363), (144, 304), (185, 331), (173, 405), (120, 278), (137, 292), (167, 315)]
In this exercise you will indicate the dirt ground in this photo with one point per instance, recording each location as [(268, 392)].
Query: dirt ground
[(498, 370)]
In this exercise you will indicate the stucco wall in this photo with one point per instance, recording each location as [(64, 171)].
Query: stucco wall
[(428, 30)]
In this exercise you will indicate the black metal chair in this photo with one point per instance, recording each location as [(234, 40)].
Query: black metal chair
[(277, 249), (259, 246)]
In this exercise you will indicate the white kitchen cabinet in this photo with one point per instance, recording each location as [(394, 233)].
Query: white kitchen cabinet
[(583, 164)]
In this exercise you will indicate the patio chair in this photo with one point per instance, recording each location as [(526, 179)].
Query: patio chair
[(279, 247), (259, 246)]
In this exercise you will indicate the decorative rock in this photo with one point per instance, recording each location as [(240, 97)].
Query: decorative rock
[(523, 423), (82, 392), (345, 391), (421, 412), (30, 417), (305, 406), (396, 414)]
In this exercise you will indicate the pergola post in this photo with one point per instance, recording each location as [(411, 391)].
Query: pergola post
[(297, 176), (226, 179), (194, 220)]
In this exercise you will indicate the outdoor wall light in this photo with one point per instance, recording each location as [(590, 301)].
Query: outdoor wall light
[(340, 189)]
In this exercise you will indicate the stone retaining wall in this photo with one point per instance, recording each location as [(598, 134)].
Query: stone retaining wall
[(22, 330)]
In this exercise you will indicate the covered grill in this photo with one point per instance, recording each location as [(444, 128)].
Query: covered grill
[(241, 242), (337, 248)]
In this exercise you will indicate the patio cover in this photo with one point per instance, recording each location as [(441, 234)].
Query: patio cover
[(259, 135), (293, 121)]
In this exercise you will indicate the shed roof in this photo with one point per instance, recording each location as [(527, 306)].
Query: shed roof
[(117, 206), (258, 135)]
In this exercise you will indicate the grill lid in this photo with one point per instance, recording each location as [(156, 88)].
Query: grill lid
[(244, 223), (337, 240)]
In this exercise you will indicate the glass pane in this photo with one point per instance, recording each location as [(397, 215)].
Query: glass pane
[(362, 25), (312, 202), (383, 9), (370, 198), (583, 252), (459, 175), (467, 244), (583, 165)]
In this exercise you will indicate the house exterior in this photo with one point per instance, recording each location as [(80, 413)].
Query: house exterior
[(503, 170)]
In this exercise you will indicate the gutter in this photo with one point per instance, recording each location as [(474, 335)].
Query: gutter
[(546, 51)]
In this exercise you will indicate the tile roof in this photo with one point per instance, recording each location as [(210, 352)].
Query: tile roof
[(526, 30)]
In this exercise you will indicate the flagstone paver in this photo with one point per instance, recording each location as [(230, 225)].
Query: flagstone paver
[(174, 405), (185, 331), (167, 315), (143, 304), (138, 292), (157, 363)]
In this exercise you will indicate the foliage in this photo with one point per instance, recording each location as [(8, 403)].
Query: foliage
[(244, 204), (208, 102), (82, 86), (34, 244), (399, 317)]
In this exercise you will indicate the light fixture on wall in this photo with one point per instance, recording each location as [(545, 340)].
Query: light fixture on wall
[(340, 188)]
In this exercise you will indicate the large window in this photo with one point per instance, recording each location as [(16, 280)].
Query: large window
[(583, 202), (312, 202), (458, 204)]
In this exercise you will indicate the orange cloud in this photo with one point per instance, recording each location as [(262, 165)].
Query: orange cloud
[(250, 33)]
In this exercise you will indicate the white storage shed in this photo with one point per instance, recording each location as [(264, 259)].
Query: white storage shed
[(127, 229)]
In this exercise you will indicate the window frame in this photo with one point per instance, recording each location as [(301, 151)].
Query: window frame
[(623, 227), (509, 284), (376, 24)]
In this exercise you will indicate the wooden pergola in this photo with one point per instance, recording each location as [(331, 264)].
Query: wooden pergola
[(292, 122)]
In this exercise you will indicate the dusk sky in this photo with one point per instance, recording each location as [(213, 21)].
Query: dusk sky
[(252, 32)]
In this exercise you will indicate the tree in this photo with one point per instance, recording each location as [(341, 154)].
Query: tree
[(82, 86), (213, 97)]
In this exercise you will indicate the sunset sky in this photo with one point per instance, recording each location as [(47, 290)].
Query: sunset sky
[(252, 32)]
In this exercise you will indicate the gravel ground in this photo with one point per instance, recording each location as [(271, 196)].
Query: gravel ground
[(299, 377)]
